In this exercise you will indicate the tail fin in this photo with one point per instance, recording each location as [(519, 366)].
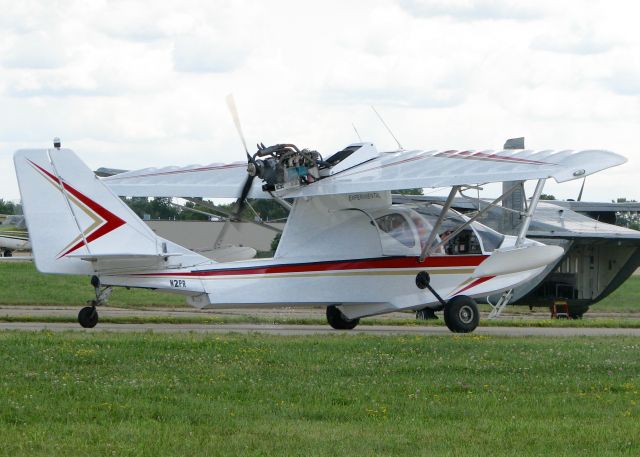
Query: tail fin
[(76, 223)]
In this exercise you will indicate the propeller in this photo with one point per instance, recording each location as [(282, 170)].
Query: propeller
[(251, 165)]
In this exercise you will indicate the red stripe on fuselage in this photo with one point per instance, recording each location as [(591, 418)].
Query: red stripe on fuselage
[(340, 265)]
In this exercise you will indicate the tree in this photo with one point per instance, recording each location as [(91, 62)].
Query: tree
[(629, 219), (186, 215), (267, 209), (547, 197), (156, 208), (275, 242), (7, 207)]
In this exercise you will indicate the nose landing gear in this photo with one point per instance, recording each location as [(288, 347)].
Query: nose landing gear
[(461, 313)]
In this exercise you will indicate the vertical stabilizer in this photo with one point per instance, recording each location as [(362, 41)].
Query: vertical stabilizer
[(515, 201), (73, 216)]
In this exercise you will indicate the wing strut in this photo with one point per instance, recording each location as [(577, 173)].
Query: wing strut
[(530, 210), (446, 239), (436, 227)]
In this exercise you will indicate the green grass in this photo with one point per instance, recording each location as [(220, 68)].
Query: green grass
[(21, 284), (625, 298), (249, 395)]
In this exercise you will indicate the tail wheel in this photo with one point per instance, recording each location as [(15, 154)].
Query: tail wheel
[(338, 320), (88, 317), (461, 314)]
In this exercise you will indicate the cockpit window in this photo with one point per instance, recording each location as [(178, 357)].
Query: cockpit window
[(491, 240), (408, 228), (465, 242), (398, 227)]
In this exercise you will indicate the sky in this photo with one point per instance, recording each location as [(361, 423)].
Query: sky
[(133, 84)]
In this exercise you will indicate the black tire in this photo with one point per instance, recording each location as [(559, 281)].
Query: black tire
[(426, 314), (461, 314), (88, 317), (338, 320), (577, 311), (8, 254)]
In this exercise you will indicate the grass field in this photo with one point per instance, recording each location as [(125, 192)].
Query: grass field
[(20, 284), (149, 395)]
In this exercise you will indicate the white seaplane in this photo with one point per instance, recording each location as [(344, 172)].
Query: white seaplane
[(344, 246)]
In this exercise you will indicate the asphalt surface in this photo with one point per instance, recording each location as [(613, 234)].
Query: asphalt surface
[(512, 313), (293, 330), (273, 329)]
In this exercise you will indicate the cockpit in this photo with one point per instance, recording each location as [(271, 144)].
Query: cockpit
[(405, 230)]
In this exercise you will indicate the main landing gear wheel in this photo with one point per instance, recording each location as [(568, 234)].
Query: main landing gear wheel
[(88, 317), (8, 253), (338, 320), (461, 314), (426, 314)]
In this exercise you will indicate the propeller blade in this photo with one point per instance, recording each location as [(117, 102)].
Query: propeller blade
[(231, 104), (243, 195)]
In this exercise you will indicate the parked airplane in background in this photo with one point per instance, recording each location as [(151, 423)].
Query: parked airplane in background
[(13, 235), (598, 256)]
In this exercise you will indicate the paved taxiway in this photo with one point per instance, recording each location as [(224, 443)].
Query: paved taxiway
[(269, 313), (274, 329), (292, 330)]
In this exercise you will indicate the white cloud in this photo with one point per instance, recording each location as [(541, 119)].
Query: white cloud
[(578, 40), (132, 83), (624, 78), (35, 50), (204, 54), (473, 9)]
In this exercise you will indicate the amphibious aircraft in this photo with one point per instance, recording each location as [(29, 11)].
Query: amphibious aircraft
[(344, 246)]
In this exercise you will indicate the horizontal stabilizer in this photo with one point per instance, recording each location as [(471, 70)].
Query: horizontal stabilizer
[(123, 257)]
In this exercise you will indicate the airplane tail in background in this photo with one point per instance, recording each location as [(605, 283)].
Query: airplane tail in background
[(78, 226)]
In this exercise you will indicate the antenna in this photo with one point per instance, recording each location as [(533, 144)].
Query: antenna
[(354, 128), (386, 126)]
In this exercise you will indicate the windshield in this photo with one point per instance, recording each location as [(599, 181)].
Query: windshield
[(491, 240), (474, 239), (405, 231), (398, 227)]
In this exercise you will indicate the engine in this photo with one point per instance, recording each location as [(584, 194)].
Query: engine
[(284, 166)]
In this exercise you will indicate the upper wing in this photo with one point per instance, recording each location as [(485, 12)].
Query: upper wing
[(411, 169), (386, 171), (212, 181)]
